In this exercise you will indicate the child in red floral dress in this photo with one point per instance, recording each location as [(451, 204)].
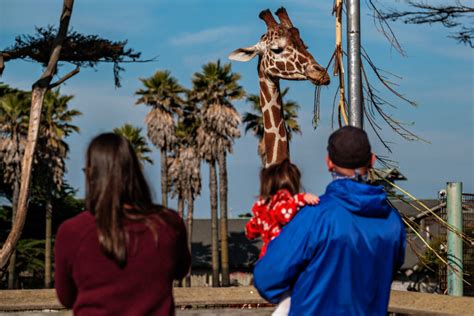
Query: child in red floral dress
[(280, 200)]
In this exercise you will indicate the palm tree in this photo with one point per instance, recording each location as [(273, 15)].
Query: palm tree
[(163, 93), (185, 168), (52, 151), (185, 172), (253, 121), (138, 142), (14, 106), (215, 87)]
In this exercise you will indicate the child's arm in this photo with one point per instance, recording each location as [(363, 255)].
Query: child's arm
[(303, 199), (311, 199), (252, 228)]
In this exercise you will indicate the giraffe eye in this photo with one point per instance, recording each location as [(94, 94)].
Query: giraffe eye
[(277, 50)]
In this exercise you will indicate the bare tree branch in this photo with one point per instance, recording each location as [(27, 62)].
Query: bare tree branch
[(382, 25), (451, 15), (444, 14), (64, 78)]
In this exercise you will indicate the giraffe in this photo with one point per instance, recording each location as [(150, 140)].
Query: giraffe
[(282, 55)]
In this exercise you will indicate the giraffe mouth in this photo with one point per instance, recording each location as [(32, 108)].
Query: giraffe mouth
[(318, 76)]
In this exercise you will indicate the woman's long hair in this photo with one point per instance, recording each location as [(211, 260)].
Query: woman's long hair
[(116, 190)]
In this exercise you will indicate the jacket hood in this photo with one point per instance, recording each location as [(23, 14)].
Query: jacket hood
[(360, 198)]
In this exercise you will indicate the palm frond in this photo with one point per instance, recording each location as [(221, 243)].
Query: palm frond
[(138, 142)]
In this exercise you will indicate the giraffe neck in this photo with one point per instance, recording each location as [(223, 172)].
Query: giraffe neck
[(275, 138)]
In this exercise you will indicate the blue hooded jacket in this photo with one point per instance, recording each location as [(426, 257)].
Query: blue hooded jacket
[(338, 257)]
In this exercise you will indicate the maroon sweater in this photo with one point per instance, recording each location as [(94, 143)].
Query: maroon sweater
[(91, 284)]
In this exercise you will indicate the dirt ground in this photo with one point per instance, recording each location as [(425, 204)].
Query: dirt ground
[(215, 301)]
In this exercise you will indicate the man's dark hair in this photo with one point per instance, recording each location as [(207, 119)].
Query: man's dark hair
[(284, 175), (349, 147)]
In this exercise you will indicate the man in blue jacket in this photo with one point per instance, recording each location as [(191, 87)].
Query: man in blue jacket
[(338, 257)]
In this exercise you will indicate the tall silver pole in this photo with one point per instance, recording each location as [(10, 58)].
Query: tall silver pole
[(454, 209), (354, 63)]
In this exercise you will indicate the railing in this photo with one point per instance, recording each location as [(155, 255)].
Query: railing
[(468, 250), (401, 303)]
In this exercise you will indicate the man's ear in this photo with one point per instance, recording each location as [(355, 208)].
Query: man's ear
[(373, 159), (244, 54), (329, 163)]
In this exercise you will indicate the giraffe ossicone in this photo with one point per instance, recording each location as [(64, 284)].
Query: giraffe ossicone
[(282, 55)]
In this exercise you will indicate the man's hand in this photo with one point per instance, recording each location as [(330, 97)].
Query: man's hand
[(311, 199)]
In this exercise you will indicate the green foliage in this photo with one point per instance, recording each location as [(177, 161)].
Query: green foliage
[(213, 89), (4, 213), (78, 49), (217, 84), (138, 142), (14, 117), (429, 260), (30, 256), (30, 251), (253, 121), (164, 94), (52, 150), (48, 172), (188, 123), (184, 163), (163, 91)]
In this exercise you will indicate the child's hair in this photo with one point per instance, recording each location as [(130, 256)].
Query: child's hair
[(283, 175)]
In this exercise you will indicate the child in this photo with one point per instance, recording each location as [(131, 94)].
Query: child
[(280, 200)]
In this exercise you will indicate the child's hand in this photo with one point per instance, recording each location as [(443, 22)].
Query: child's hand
[(311, 199)]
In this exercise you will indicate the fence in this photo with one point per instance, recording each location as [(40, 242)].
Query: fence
[(468, 250)]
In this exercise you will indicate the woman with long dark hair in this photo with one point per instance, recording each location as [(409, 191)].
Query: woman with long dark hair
[(121, 255)]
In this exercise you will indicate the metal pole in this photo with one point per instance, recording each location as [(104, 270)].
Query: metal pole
[(354, 63), (454, 209)]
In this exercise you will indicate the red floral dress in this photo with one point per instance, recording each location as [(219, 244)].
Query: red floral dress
[(269, 217)]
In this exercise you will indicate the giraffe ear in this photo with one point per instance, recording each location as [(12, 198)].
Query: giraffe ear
[(244, 54)]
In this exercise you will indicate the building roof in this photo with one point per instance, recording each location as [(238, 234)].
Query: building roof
[(392, 174), (410, 210)]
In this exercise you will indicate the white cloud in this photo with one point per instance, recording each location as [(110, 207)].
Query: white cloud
[(208, 35)]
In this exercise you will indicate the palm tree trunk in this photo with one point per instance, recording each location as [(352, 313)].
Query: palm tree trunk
[(180, 206), (261, 151), (214, 220), (48, 241), (12, 265), (164, 178), (179, 283), (190, 232), (37, 96), (224, 224)]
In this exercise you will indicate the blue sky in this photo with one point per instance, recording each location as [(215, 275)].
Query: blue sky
[(437, 73)]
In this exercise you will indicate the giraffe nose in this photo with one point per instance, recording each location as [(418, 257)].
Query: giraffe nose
[(317, 75)]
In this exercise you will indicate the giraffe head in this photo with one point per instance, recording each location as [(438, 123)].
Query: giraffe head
[(282, 52)]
